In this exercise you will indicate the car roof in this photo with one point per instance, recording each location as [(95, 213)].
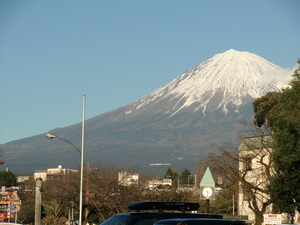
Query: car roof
[(196, 221), (196, 215), (158, 205), (159, 211)]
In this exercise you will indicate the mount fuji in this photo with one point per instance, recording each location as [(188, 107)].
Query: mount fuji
[(175, 125), (230, 78)]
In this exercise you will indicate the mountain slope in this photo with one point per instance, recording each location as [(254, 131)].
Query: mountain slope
[(177, 123)]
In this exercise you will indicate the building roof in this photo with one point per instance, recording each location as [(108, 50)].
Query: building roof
[(253, 143), (207, 179)]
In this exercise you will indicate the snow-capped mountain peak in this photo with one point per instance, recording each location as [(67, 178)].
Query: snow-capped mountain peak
[(226, 79)]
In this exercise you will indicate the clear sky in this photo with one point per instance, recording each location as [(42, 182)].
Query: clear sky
[(52, 52)]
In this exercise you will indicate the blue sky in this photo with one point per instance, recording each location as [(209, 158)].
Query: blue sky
[(115, 52)]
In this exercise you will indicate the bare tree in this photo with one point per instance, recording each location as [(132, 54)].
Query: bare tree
[(106, 194), (59, 192)]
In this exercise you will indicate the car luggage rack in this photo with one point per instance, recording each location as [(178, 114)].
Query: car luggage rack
[(160, 206)]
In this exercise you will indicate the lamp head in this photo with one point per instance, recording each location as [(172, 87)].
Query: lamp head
[(50, 136)]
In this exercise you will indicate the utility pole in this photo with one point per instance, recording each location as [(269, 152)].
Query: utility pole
[(38, 201), (207, 206), (233, 209)]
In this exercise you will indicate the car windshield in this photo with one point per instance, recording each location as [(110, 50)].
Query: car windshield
[(195, 221), (118, 220), (129, 220)]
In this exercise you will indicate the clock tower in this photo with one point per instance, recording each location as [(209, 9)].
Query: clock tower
[(207, 188)]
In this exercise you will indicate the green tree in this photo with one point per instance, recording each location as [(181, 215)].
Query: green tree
[(223, 204), (281, 112), (7, 179), (169, 174), (186, 177)]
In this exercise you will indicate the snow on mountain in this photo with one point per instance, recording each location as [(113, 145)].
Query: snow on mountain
[(231, 77)]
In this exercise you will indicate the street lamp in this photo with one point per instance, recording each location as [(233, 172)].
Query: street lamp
[(52, 136)]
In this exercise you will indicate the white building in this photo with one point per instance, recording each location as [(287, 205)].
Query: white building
[(21, 179), (160, 184), (128, 179), (254, 161), (256, 165), (59, 170)]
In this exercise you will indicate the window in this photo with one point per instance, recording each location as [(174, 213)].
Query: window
[(247, 163), (246, 195)]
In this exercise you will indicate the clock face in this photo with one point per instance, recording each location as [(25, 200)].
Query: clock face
[(207, 192)]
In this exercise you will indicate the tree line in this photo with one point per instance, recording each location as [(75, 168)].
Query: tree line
[(104, 196)]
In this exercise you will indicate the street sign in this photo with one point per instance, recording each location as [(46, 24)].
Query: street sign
[(272, 218)]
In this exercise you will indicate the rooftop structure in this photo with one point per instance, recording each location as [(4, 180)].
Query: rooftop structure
[(59, 170)]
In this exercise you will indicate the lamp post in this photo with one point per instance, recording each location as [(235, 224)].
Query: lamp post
[(52, 136)]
